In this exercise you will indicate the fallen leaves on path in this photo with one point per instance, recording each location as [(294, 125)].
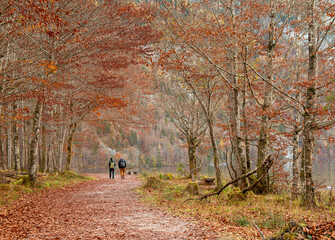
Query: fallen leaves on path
[(102, 209)]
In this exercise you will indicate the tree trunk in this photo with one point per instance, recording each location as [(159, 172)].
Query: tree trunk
[(61, 134), (72, 130), (33, 155), (2, 155), (43, 150), (22, 146), (245, 130), (61, 140), (192, 146), (297, 120), (236, 135), (263, 141), (16, 143), (309, 122), (308, 134), (26, 143), (235, 110), (9, 141), (215, 155), (295, 161)]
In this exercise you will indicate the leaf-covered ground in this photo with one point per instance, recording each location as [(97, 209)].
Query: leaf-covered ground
[(102, 209), (228, 213)]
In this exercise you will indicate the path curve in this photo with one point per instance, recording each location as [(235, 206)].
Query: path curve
[(102, 209)]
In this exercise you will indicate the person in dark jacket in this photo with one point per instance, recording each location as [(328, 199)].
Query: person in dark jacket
[(111, 165), (122, 166)]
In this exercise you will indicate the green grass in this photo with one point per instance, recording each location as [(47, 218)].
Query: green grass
[(242, 221)]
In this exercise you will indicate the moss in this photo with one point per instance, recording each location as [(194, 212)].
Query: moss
[(167, 176), (192, 188), (237, 195), (23, 180), (153, 182)]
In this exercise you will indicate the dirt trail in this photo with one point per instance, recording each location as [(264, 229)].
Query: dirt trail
[(103, 209)]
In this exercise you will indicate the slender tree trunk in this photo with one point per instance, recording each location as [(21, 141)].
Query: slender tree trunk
[(236, 135), (263, 141), (297, 119), (15, 138), (72, 130), (235, 110), (62, 144), (295, 160), (295, 165), (33, 155), (61, 134), (215, 154), (2, 155), (22, 146), (27, 144), (51, 157), (245, 131), (9, 141), (43, 150), (48, 161), (309, 121)]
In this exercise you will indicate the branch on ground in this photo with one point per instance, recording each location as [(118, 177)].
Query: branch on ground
[(266, 164)]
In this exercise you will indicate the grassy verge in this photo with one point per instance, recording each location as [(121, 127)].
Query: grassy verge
[(11, 191), (228, 213)]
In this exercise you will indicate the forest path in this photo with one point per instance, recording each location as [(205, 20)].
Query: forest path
[(102, 209)]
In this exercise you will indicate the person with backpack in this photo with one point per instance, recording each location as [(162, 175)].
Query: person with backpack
[(111, 165), (122, 166)]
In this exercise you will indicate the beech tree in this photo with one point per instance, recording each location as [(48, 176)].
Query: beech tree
[(186, 114)]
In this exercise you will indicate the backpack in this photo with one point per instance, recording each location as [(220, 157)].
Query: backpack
[(122, 163), (111, 164)]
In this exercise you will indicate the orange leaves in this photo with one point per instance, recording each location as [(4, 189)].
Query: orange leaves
[(49, 66)]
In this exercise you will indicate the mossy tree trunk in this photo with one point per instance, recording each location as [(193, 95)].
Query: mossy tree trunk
[(33, 155), (192, 147)]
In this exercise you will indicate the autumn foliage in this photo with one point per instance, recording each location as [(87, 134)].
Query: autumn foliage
[(62, 62)]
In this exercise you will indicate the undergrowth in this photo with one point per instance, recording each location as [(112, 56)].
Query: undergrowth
[(225, 213)]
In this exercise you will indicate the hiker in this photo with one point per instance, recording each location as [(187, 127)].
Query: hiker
[(122, 166), (111, 165)]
